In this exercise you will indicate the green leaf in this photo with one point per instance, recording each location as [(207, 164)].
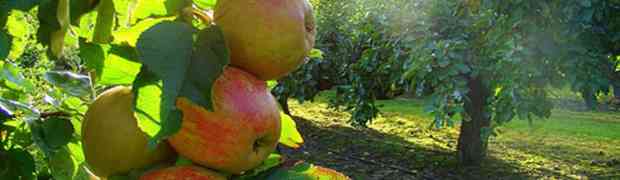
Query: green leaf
[(17, 164), (63, 165), (75, 148), (168, 62), (87, 22), (142, 9), (51, 134), (183, 161), (272, 161), (21, 135), (71, 83), (19, 29), (159, 55), (265, 168), (205, 4), (148, 90), (209, 58), (24, 162), (5, 45), (5, 113), (16, 24), (316, 53), (463, 69), (118, 68), (12, 107), (130, 35), (148, 108), (306, 171), (271, 84), (93, 55), (57, 132), (13, 77), (290, 136)]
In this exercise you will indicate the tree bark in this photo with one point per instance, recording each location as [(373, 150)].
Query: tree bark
[(472, 145), (589, 98), (616, 86), (284, 104)]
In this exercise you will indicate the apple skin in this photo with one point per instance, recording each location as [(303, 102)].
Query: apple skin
[(241, 132), (183, 172), (111, 139), (268, 38)]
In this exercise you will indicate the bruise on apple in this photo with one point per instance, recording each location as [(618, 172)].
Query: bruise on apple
[(241, 132), (183, 172)]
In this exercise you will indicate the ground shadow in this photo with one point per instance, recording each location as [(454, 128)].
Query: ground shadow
[(364, 153)]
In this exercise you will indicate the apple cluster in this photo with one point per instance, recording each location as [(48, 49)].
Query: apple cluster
[(267, 39)]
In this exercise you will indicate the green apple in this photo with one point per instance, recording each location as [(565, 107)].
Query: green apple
[(111, 139)]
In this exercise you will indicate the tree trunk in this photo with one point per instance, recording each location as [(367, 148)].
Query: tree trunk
[(284, 104), (616, 86), (472, 145), (589, 98)]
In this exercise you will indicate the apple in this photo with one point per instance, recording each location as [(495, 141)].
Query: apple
[(183, 172), (268, 38), (111, 139), (239, 134)]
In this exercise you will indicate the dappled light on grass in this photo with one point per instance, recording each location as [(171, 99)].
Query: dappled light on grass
[(569, 145)]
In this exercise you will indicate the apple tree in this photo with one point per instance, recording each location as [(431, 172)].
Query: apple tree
[(364, 52), (491, 61), (594, 41)]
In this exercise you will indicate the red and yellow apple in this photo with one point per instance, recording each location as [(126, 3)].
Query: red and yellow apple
[(184, 173), (239, 134), (268, 38), (111, 139)]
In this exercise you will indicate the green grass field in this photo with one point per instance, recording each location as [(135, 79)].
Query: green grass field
[(400, 145)]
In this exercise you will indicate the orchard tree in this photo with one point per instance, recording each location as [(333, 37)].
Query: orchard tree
[(487, 61), (364, 52), (593, 43)]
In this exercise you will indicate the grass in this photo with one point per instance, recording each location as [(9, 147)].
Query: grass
[(400, 145)]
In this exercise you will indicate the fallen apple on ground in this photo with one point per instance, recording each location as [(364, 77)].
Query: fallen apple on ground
[(111, 139), (268, 38), (241, 132), (183, 173)]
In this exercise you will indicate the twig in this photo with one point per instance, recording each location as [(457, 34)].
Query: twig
[(54, 114)]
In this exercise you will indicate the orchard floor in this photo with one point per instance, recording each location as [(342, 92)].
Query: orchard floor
[(400, 145)]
